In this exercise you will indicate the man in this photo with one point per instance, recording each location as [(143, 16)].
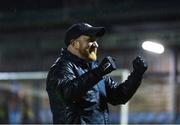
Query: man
[(79, 88)]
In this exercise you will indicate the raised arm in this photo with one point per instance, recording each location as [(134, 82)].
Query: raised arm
[(120, 93)]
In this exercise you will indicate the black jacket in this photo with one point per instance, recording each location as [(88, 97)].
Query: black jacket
[(79, 95)]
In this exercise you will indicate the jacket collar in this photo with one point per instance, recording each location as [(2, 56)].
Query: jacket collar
[(69, 56)]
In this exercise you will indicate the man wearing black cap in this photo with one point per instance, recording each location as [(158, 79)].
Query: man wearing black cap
[(79, 88)]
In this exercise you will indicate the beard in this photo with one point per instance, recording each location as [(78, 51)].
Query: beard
[(89, 54)]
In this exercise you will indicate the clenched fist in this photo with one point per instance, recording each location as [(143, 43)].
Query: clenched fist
[(107, 65), (139, 65)]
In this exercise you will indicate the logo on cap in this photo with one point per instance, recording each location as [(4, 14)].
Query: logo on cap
[(87, 24)]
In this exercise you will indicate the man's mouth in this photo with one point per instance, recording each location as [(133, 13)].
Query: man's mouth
[(92, 49)]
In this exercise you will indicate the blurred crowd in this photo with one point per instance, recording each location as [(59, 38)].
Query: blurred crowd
[(16, 107)]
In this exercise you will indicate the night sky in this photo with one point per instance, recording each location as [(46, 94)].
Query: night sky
[(18, 5)]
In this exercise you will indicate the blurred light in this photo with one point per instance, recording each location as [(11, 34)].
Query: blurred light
[(153, 47), (22, 75)]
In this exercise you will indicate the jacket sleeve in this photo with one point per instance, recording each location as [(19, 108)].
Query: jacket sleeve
[(63, 78), (120, 93)]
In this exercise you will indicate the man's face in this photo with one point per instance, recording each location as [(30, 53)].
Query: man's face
[(87, 47)]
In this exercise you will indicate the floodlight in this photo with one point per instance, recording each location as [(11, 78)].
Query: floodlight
[(153, 47)]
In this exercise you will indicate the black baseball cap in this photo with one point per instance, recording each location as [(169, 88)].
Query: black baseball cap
[(79, 29)]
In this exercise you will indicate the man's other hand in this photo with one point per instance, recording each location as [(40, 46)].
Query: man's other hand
[(107, 65), (139, 65)]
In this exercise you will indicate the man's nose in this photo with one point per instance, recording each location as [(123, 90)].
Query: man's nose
[(95, 44)]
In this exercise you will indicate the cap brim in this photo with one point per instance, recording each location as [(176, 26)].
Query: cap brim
[(95, 31)]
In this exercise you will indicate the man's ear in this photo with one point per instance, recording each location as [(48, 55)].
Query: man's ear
[(75, 44)]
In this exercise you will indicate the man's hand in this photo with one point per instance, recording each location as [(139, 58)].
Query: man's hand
[(139, 65), (107, 65)]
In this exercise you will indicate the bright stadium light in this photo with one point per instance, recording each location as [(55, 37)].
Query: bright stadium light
[(153, 47)]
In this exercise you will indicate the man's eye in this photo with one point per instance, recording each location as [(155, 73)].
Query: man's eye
[(92, 40), (89, 41)]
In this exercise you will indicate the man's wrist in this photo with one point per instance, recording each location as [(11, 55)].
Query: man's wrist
[(97, 73), (138, 73)]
